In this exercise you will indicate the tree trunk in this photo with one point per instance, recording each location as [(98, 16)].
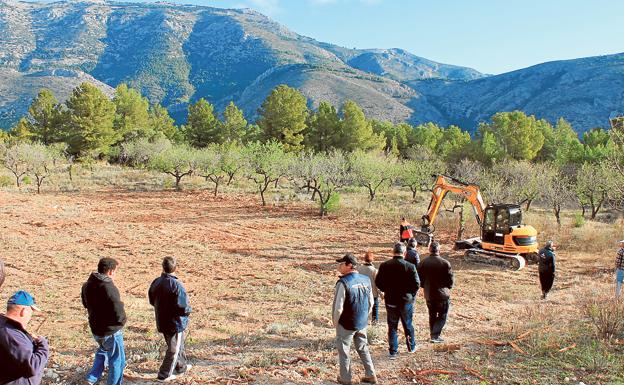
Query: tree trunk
[(230, 177), (177, 182), (462, 223), (528, 204), (17, 179), (557, 209), (371, 193), (414, 190), (583, 210)]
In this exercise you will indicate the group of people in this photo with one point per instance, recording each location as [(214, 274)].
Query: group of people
[(23, 356), (360, 287)]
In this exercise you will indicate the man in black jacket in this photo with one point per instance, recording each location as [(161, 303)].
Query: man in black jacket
[(399, 281), (436, 277), (172, 309), (106, 318)]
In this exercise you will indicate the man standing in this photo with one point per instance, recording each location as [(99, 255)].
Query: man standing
[(619, 269), (405, 230), (172, 309), (106, 318), (412, 255), (369, 270), (436, 278), (353, 300), (22, 356), (546, 268), (399, 281)]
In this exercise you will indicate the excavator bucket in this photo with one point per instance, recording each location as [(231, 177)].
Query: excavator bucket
[(423, 237)]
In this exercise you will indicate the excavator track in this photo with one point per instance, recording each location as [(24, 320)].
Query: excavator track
[(507, 261)]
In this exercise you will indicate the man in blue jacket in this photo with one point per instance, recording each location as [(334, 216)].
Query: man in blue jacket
[(172, 309), (353, 302), (22, 356)]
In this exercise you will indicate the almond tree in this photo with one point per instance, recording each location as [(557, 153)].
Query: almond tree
[(373, 171), (322, 173), (15, 160), (177, 161), (267, 163), (557, 191), (210, 166), (42, 161)]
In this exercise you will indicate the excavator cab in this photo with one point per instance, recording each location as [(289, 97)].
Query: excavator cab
[(499, 220)]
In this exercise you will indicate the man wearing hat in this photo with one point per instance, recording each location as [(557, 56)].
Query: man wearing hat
[(619, 269), (353, 302), (22, 356)]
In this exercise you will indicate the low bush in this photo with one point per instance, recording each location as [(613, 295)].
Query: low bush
[(606, 315)]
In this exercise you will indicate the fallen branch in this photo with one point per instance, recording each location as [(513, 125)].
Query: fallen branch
[(567, 348), (474, 373), (446, 348), (515, 347)]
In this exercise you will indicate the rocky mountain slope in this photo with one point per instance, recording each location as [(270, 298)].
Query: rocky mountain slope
[(176, 54)]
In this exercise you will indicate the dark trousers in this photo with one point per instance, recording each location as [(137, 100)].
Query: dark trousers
[(547, 277), (375, 315), (175, 356), (403, 313), (438, 310)]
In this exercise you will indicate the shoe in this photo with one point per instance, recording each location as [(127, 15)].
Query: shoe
[(437, 340), (168, 379), (413, 350), (343, 382), (393, 356), (186, 369), (369, 380)]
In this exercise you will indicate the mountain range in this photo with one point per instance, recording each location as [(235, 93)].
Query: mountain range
[(175, 54)]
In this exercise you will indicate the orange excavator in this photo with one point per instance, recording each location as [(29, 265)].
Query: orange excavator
[(504, 240)]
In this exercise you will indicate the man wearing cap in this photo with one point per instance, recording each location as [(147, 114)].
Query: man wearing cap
[(399, 281), (353, 301), (619, 269), (436, 276), (22, 356), (546, 267), (171, 307), (106, 318)]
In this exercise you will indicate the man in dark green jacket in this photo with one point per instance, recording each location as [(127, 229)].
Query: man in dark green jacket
[(547, 268)]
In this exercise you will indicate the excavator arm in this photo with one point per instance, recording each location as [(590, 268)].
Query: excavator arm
[(443, 185)]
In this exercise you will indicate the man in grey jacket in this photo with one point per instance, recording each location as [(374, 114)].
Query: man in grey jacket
[(353, 301), (22, 356)]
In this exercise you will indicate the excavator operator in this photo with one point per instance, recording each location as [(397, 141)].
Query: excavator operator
[(406, 230)]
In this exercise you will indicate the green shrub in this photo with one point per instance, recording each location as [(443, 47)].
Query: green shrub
[(607, 316), (333, 204), (6, 181), (579, 220), (26, 180)]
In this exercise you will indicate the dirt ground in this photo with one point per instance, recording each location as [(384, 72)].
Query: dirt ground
[(260, 281)]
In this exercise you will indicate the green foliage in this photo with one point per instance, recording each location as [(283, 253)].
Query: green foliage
[(453, 144), (323, 126), (579, 220), (426, 135), (356, 133), (47, 117), (89, 128), (234, 126), (210, 166), (518, 134), (333, 203), (21, 131), (163, 125), (396, 142), (42, 161), (177, 161), (202, 126), (595, 183), (283, 116), (416, 174), (132, 119), (138, 152), (6, 181), (266, 164), (373, 171)]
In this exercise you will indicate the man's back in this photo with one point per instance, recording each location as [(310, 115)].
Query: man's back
[(398, 280), (170, 302), (436, 277), (412, 257), (19, 364), (102, 300)]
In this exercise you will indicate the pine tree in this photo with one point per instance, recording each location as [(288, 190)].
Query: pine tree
[(202, 125), (89, 129), (234, 126), (131, 114), (356, 133), (322, 128), (46, 117), (162, 124), (283, 117)]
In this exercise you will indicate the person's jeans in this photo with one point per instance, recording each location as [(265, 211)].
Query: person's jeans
[(404, 313), (110, 353), (438, 310), (343, 345), (375, 316), (619, 279)]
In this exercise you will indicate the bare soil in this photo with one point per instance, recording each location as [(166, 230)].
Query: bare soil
[(261, 282)]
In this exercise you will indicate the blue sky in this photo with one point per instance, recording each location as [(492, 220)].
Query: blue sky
[(492, 36)]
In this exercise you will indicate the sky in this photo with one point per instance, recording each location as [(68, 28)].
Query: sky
[(491, 36)]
